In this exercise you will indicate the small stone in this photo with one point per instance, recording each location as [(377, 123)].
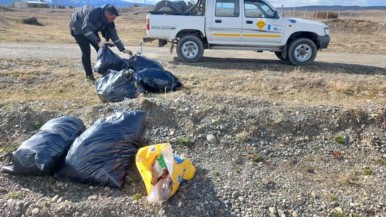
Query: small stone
[(281, 213), (212, 139), (171, 133), (235, 194), (55, 198), (35, 211), (93, 197), (227, 202), (60, 200), (179, 204), (242, 199), (294, 214), (272, 210), (216, 203), (338, 210), (198, 208)]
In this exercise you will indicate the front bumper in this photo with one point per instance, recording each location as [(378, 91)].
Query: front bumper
[(323, 41)]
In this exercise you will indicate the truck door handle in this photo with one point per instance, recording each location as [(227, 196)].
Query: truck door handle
[(217, 21), (249, 22)]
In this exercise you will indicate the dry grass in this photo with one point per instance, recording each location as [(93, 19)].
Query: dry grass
[(357, 36), (55, 29), (295, 87), (62, 81), (56, 86)]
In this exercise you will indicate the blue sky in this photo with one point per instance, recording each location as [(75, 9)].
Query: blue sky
[(290, 3)]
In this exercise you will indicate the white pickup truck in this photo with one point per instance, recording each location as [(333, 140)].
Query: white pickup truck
[(236, 25)]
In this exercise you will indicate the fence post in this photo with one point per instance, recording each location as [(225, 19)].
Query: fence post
[(327, 15), (305, 13), (316, 14), (384, 22), (338, 14), (293, 15)]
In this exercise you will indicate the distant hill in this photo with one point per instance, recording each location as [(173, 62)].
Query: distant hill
[(79, 3), (127, 3), (337, 8)]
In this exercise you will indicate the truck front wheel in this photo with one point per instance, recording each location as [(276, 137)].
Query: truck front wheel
[(190, 48), (302, 51), (279, 55)]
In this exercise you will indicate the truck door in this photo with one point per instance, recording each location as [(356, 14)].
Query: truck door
[(260, 26), (225, 25)]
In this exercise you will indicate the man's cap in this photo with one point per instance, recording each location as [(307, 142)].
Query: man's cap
[(110, 9)]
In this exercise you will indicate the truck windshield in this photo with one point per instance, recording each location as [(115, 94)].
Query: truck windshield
[(257, 9)]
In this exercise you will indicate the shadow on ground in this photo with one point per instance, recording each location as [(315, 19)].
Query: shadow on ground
[(283, 66), (197, 197)]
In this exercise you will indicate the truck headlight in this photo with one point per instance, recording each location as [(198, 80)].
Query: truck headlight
[(327, 31)]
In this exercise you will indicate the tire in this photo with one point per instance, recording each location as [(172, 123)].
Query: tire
[(190, 48), (302, 51), (278, 55), (165, 6)]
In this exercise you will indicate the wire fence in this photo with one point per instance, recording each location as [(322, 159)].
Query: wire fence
[(374, 16)]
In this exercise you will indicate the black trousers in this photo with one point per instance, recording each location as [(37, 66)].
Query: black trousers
[(84, 45)]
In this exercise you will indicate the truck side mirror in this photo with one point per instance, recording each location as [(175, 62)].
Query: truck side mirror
[(276, 15)]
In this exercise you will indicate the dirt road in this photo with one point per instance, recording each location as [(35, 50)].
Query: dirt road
[(71, 51)]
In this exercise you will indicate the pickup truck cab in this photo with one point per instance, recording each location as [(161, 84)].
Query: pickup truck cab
[(237, 25)]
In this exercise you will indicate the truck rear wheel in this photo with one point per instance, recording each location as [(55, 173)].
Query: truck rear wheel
[(302, 51), (190, 48)]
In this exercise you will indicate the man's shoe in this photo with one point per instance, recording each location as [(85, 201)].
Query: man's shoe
[(90, 78)]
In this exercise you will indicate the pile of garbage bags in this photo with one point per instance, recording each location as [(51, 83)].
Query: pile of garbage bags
[(127, 78), (65, 149), (101, 154)]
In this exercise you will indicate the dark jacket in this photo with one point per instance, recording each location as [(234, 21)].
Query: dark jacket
[(88, 22)]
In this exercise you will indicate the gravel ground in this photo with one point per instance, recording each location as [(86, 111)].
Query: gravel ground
[(254, 157)]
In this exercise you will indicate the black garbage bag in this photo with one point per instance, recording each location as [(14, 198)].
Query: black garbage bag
[(138, 63), (157, 80), (107, 59), (102, 153), (115, 86), (42, 153)]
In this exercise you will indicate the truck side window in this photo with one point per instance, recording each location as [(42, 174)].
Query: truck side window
[(257, 9), (227, 8)]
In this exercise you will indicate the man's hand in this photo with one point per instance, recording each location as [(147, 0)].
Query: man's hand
[(102, 43), (127, 52)]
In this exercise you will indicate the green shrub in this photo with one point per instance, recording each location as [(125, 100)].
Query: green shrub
[(136, 196), (185, 141), (256, 158), (340, 140), (13, 195), (31, 21), (367, 171)]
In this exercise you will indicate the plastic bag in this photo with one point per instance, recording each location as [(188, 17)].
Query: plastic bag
[(41, 154), (157, 80), (115, 86), (162, 171), (138, 63), (102, 153), (107, 59)]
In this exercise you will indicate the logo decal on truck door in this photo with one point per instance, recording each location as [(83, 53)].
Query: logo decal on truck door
[(261, 24)]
